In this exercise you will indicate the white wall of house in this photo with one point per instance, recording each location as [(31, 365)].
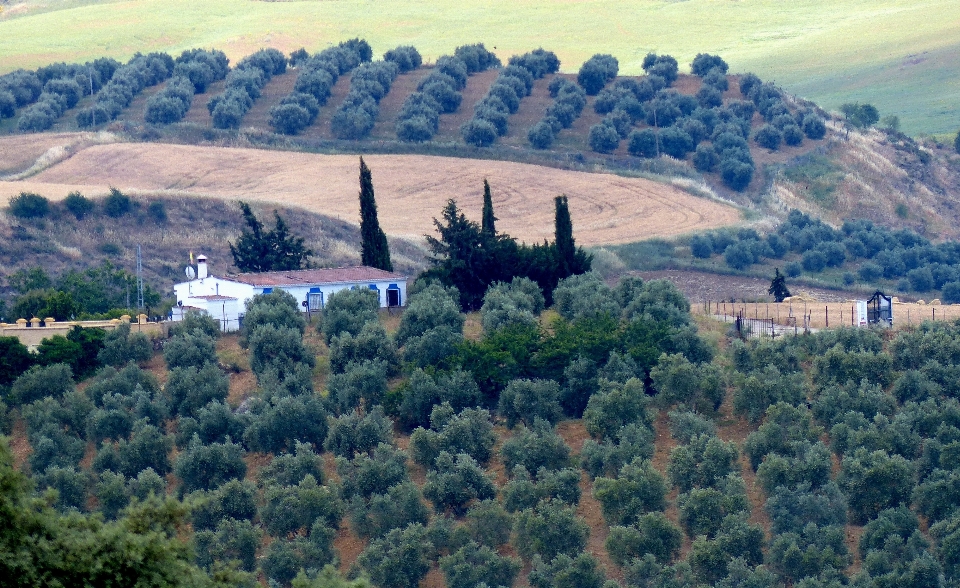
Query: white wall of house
[(205, 294), (308, 293)]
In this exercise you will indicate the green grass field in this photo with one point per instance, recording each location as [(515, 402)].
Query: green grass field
[(902, 56)]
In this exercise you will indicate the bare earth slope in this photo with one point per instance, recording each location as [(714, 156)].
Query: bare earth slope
[(411, 189)]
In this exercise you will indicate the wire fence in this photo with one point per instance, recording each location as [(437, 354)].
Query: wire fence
[(821, 315)]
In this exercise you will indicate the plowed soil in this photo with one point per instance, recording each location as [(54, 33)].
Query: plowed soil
[(411, 189)]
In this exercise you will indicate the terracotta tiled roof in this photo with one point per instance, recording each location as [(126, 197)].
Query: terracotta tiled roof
[(311, 277), (213, 297)]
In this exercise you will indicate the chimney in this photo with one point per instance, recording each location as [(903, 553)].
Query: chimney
[(201, 266)]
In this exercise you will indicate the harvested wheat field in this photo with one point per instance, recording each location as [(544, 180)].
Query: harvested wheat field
[(18, 152), (411, 189)]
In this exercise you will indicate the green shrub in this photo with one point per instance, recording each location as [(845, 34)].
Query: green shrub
[(604, 138), (875, 481), (285, 421), (372, 474), (353, 433), (527, 400), (469, 432), (614, 406), (401, 559), (704, 462), (70, 484), (639, 489), (195, 320), (535, 448), (288, 469), (53, 381), (478, 132), (120, 347), (370, 344), (194, 350), (548, 530), (205, 467), (474, 564), (541, 135), (454, 482), (78, 205), (607, 457), (379, 514), (523, 491), (192, 388), (652, 534), (677, 380), (278, 309), (117, 204), (29, 205), (288, 509), (703, 510), (582, 571)]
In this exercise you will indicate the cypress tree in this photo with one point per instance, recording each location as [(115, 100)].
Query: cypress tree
[(487, 225), (778, 287), (374, 250), (566, 249)]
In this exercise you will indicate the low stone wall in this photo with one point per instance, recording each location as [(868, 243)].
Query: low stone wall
[(32, 332)]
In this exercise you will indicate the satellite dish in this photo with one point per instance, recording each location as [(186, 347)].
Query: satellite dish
[(191, 273)]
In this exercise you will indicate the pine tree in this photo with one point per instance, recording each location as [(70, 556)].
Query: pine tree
[(778, 287), (566, 248), (374, 250), (257, 250), (488, 226)]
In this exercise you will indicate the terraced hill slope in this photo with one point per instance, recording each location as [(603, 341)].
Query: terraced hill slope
[(901, 56)]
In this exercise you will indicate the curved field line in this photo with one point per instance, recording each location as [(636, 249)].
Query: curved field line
[(411, 189)]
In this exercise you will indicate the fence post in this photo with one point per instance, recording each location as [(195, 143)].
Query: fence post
[(826, 313)]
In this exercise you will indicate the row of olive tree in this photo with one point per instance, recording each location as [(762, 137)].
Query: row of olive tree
[(514, 83), (127, 82), (195, 69), (315, 80), (569, 100), (439, 92), (244, 85)]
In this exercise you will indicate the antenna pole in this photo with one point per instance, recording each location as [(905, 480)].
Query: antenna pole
[(93, 111), (139, 278)]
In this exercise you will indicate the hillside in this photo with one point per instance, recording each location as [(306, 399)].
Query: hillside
[(740, 457), (411, 190), (60, 243), (900, 56)]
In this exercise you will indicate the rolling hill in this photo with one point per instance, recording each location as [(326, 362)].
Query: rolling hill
[(903, 57)]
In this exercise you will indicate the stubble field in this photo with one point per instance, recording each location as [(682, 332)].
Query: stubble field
[(411, 189)]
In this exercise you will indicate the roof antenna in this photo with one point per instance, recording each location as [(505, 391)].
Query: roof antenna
[(139, 279)]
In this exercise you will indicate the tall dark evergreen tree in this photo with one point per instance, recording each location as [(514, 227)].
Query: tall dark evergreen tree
[(374, 250), (488, 225), (257, 250), (566, 248), (778, 287)]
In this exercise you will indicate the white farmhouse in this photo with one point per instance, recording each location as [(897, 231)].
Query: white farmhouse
[(225, 298)]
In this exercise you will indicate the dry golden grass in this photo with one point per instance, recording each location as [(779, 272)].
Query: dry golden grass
[(830, 314), (411, 189), (18, 152)]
